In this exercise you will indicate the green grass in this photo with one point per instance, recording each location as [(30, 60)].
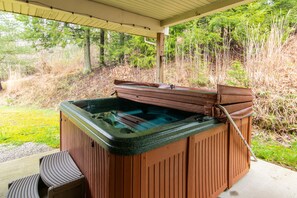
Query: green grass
[(273, 151), (27, 124)]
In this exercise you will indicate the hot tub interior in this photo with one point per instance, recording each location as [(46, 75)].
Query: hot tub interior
[(133, 117)]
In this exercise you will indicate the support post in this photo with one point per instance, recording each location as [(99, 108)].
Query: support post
[(160, 57)]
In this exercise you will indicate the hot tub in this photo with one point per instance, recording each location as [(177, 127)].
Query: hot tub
[(134, 150)]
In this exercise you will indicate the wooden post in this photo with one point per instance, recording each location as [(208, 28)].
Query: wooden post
[(160, 59)]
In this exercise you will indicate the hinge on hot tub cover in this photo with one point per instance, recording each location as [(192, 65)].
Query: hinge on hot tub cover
[(114, 93)]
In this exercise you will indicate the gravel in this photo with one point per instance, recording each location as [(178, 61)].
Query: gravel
[(10, 152)]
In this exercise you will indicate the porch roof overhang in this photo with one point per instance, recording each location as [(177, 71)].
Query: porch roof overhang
[(139, 17)]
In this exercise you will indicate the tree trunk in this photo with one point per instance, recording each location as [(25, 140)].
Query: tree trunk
[(87, 52), (222, 31), (122, 55), (0, 86), (101, 49)]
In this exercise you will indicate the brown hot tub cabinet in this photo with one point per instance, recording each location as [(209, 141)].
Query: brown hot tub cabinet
[(130, 149)]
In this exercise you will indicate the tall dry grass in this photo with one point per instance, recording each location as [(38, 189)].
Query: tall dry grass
[(272, 68)]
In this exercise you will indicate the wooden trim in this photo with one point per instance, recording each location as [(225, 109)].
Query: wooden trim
[(160, 57)]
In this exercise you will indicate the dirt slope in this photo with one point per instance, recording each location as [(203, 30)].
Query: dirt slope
[(48, 90)]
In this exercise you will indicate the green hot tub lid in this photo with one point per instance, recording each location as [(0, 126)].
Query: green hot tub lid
[(110, 138)]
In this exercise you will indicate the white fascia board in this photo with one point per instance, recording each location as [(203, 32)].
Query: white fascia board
[(101, 11), (212, 8)]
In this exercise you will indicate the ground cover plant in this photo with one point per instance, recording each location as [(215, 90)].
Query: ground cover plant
[(276, 151), (27, 124)]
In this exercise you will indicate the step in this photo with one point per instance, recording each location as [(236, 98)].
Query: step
[(26, 187), (58, 169)]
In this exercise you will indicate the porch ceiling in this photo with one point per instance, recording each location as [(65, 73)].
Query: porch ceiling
[(140, 17)]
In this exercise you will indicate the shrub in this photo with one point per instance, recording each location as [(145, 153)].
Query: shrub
[(237, 76)]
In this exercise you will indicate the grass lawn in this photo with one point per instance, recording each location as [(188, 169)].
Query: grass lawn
[(27, 124), (272, 151)]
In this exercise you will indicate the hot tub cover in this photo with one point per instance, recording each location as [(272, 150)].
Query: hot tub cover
[(237, 101)]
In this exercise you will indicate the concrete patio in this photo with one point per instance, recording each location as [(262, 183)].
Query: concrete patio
[(263, 180)]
